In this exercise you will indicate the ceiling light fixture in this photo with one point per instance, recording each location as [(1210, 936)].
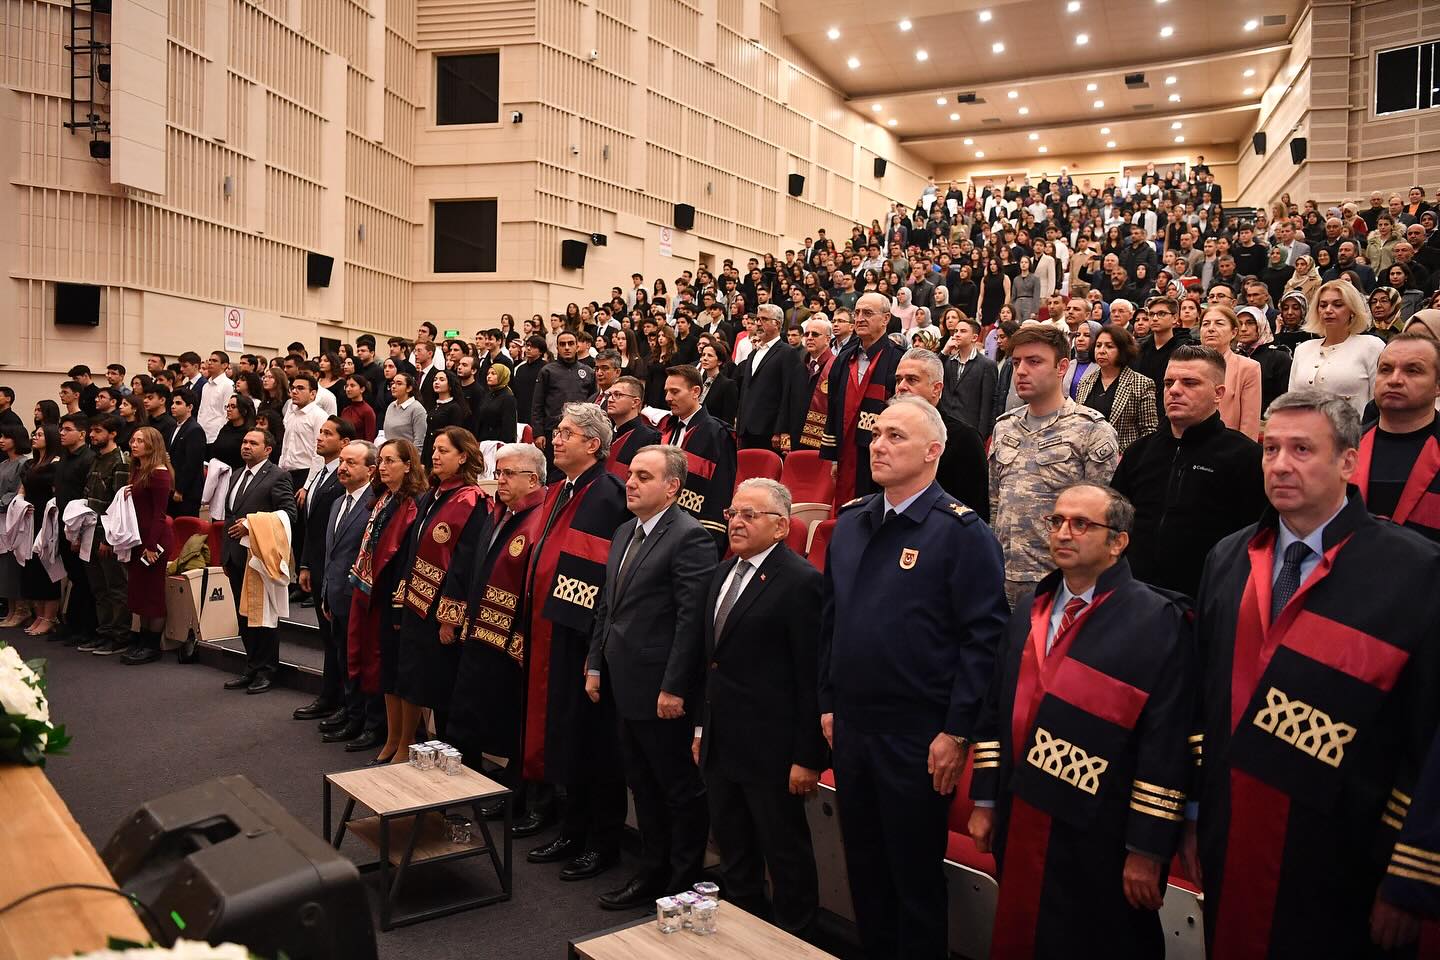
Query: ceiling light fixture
[(1073, 6), (1249, 73), (905, 26), (876, 107), (1179, 139), (997, 47), (1104, 131), (853, 63), (1023, 111), (1110, 144), (979, 154), (1176, 125), (1167, 31), (1248, 92), (1251, 25), (954, 116), (984, 16), (1081, 39), (1091, 87), (833, 33), (1174, 98), (1099, 104), (1170, 80), (969, 141), (1044, 149), (892, 121), (1034, 136), (1013, 94), (922, 55), (940, 101)]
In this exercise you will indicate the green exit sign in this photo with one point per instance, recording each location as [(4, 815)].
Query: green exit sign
[(451, 334)]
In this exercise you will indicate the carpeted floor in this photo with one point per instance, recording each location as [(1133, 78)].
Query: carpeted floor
[(142, 732)]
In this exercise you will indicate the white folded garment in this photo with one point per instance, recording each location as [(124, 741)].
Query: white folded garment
[(122, 527), (79, 521), (15, 537), (47, 542), (217, 488)]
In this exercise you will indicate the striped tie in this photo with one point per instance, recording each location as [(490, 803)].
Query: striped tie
[(1073, 606)]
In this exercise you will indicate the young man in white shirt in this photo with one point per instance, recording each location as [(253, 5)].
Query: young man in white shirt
[(218, 390)]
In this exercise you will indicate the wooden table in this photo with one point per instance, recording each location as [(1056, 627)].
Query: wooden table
[(41, 845), (738, 936), (402, 796)]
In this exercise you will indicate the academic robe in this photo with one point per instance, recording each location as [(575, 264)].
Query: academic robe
[(1083, 752), (1412, 877), (1309, 728), (568, 739), (628, 440), (1419, 506), (854, 403), (812, 434), (375, 575), (710, 478)]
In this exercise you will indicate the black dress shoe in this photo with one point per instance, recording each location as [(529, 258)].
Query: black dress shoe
[(639, 892), (368, 740), (555, 851), (335, 721), (493, 811), (589, 864), (530, 824), (138, 655), (348, 732), (260, 684), (314, 710), (242, 681)]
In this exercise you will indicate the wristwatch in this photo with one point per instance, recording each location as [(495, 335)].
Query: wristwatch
[(960, 741)]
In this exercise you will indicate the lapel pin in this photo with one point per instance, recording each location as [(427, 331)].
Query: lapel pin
[(762, 578)]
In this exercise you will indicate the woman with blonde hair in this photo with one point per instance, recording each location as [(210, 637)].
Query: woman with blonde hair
[(151, 481), (1341, 361)]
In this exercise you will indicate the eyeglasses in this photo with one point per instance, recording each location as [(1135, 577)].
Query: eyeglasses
[(566, 434), (748, 514), (1079, 526), (505, 473)]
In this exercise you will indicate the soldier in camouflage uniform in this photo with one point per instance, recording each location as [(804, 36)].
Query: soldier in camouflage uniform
[(1037, 451)]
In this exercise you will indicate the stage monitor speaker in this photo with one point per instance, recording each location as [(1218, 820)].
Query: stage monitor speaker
[(222, 861), (797, 184), (77, 304), (572, 254), (1258, 142), (684, 216), (317, 269), (879, 166), (1299, 147)]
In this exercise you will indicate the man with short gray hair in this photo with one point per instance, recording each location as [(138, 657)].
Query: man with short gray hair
[(1319, 679), (772, 389), (818, 357), (861, 379), (962, 472)]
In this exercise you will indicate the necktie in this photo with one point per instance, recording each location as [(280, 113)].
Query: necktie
[(240, 490), (500, 522), (1289, 580), (737, 583), (344, 509), (677, 427), (1073, 606), (631, 555), (566, 492), (316, 482)]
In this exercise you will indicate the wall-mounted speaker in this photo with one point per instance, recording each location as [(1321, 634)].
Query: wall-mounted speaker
[(797, 184), (879, 166), (572, 254), (1135, 80), (1299, 147), (77, 304), (317, 269), (599, 239), (1258, 142), (684, 216)]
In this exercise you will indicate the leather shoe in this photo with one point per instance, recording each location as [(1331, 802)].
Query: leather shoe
[(494, 811), (242, 681), (335, 721), (314, 710), (639, 892), (555, 851), (260, 684), (348, 732), (589, 864), (368, 740), (530, 824), (138, 655)]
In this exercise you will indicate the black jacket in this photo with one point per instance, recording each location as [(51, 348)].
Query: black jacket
[(495, 416), (1189, 493), (722, 400), (964, 473), (1274, 361), (187, 457), (773, 398), (559, 383)]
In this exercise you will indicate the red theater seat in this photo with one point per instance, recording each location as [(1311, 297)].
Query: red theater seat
[(819, 543), (960, 848), (756, 463), (187, 527), (798, 536), (808, 478)]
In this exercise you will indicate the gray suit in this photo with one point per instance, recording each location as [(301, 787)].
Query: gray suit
[(342, 545), (969, 393), (649, 638), (269, 491)]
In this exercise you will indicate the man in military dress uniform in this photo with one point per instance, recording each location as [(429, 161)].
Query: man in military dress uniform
[(1037, 451), (900, 705)]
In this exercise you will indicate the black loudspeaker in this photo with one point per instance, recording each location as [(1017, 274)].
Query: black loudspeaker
[(572, 254), (1299, 147), (684, 216), (317, 269), (797, 184), (77, 304), (1258, 142), (599, 239), (1134, 79), (879, 166), (222, 861), (100, 149)]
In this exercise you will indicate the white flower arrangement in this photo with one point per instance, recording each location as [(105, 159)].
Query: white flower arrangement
[(26, 733), (183, 950)]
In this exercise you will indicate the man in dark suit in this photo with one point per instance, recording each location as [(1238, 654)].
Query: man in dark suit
[(970, 376), (759, 744), (772, 383), (647, 643), (313, 502), (187, 455), (427, 365), (261, 487)]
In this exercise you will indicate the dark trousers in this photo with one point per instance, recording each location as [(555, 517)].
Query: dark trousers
[(369, 708), (297, 529), (108, 583), (759, 826), (893, 826), (670, 806), (262, 644), (595, 813), (80, 620)]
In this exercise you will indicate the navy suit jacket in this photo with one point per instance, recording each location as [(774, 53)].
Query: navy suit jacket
[(341, 548)]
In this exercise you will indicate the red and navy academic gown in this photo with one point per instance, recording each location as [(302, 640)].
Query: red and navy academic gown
[(1083, 752), (1313, 729), (812, 434), (710, 472), (1412, 878), (628, 439), (854, 403), (373, 604), (568, 739), (1419, 506)]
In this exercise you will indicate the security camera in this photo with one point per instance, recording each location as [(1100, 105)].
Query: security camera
[(594, 55)]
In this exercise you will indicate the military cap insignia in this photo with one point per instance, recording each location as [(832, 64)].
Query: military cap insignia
[(908, 558), (517, 546), (851, 503), (442, 533)]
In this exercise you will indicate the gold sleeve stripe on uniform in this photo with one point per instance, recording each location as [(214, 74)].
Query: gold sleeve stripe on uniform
[(1410, 851), (987, 744), (1161, 814), (986, 764), (1139, 797), (1390, 821), (1142, 786), (1195, 737), (1413, 864), (1396, 809), (1401, 797), (1395, 871)]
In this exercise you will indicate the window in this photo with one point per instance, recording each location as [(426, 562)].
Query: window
[(467, 88), (465, 236), (1407, 78)]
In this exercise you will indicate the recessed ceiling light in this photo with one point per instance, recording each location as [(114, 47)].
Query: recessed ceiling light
[(1110, 144), (1167, 31), (979, 154), (940, 101), (892, 121), (1170, 80), (1044, 149), (969, 141), (1251, 25), (1104, 131), (1091, 87), (1249, 73), (1073, 6), (833, 33), (1034, 136), (1174, 98), (853, 63), (876, 107), (1161, 1), (1013, 94), (997, 47), (1179, 139), (1081, 39), (922, 55), (1176, 125), (1099, 104), (984, 16), (905, 25), (1248, 92), (954, 116), (1023, 111)]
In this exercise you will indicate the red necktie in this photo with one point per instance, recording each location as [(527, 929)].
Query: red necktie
[(1073, 606)]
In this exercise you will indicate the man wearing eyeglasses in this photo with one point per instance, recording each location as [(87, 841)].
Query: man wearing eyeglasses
[(1156, 349), (1081, 760), (861, 380), (632, 431)]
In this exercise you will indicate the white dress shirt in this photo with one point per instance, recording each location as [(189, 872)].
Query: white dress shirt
[(211, 412), (302, 429)]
